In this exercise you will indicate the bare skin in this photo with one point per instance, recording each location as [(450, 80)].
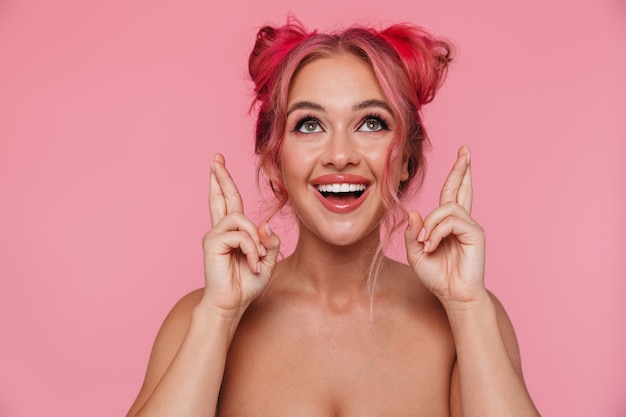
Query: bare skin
[(303, 337), (304, 354)]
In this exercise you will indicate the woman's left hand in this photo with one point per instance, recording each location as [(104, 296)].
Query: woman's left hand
[(447, 248)]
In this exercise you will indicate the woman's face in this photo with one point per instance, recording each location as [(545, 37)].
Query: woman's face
[(338, 132)]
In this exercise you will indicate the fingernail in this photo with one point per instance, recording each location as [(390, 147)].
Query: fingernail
[(258, 267), (212, 167), (268, 230), (420, 237), (262, 250), (426, 245)]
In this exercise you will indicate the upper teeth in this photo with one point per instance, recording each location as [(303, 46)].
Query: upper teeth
[(341, 188)]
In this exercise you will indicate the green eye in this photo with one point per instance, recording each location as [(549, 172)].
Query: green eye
[(308, 125), (372, 125)]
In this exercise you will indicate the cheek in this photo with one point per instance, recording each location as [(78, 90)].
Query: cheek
[(296, 158), (393, 174), (377, 159), (292, 165)]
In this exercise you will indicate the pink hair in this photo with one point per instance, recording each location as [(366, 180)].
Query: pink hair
[(410, 66)]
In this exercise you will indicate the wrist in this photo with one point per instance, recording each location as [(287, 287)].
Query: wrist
[(477, 307), (216, 318)]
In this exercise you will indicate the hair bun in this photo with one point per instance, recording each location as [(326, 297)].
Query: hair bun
[(425, 58), (271, 46)]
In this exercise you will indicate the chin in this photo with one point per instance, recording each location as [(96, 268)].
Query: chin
[(350, 237)]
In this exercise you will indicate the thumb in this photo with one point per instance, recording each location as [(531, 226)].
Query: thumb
[(271, 242), (413, 247)]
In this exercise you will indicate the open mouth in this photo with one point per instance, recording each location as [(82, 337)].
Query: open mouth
[(341, 192)]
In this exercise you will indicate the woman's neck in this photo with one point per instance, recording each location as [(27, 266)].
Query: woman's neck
[(329, 269)]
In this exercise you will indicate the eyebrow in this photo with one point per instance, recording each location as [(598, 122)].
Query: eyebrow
[(309, 105), (372, 103), (305, 105)]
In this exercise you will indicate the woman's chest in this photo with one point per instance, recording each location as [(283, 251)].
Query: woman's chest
[(311, 368)]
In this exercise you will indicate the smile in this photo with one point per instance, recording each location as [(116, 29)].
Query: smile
[(328, 189), (341, 193)]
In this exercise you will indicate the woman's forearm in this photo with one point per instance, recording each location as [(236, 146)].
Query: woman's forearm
[(191, 384), (491, 381)]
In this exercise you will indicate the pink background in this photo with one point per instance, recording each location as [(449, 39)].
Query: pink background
[(110, 112)]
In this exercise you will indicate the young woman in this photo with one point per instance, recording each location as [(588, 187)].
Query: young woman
[(336, 328)]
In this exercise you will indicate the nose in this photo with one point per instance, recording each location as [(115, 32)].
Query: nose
[(340, 151)]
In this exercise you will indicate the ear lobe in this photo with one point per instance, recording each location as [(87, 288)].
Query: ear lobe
[(404, 173)]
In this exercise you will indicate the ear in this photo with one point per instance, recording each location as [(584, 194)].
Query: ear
[(404, 168)]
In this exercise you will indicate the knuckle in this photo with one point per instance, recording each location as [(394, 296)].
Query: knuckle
[(238, 217), (206, 238)]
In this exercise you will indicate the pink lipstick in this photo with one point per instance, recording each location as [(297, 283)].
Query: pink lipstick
[(341, 193)]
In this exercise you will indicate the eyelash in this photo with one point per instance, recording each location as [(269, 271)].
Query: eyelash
[(382, 120), (302, 120), (308, 118)]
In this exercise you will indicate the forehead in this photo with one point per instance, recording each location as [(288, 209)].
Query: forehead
[(341, 79)]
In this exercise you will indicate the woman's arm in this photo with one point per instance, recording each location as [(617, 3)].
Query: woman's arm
[(487, 378), (187, 363), (447, 251), (189, 355)]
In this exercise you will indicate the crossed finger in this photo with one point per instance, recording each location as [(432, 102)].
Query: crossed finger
[(224, 196), (458, 185)]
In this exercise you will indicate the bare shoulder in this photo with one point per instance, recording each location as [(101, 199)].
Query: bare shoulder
[(173, 331), (180, 314), (166, 345), (428, 308), (408, 301), (404, 280)]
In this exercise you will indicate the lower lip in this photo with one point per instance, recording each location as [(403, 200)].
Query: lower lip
[(343, 207)]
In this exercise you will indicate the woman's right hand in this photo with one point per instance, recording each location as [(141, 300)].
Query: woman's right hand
[(239, 256)]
